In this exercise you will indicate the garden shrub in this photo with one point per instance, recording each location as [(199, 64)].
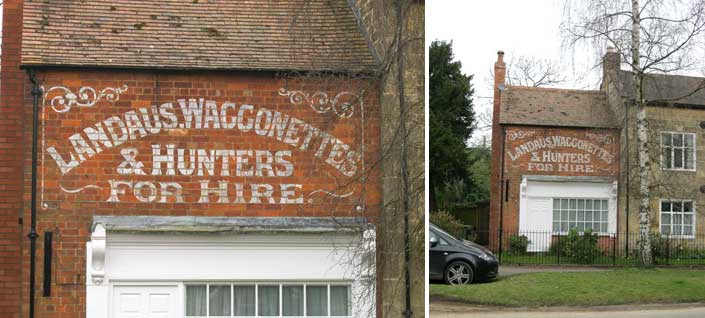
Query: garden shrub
[(583, 249), (518, 244), (448, 223)]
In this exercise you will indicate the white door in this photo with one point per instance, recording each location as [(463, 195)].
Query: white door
[(145, 302)]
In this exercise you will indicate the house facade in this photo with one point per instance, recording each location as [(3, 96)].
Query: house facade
[(567, 159), (193, 159)]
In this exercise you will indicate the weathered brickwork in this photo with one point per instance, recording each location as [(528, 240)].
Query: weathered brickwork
[(11, 150), (554, 151), (272, 153)]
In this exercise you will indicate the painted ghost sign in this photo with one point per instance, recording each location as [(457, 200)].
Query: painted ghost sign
[(201, 150), (561, 151)]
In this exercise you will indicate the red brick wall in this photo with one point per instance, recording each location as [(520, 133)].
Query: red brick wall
[(69, 214), (11, 149), (589, 152), (497, 148)]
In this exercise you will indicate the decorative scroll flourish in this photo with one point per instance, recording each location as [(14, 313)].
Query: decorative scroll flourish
[(514, 135), (77, 190), (86, 97), (604, 139), (335, 195), (342, 104)]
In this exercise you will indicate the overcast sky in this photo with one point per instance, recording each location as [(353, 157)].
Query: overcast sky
[(479, 29)]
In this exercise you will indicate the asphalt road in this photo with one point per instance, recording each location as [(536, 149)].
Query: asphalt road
[(449, 310)]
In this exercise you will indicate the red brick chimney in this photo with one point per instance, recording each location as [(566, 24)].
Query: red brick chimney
[(500, 71)]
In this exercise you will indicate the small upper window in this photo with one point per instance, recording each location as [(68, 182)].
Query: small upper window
[(677, 151)]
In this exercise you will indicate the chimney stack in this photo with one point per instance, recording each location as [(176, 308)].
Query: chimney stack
[(500, 72), (611, 61)]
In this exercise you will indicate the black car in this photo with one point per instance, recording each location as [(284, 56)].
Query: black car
[(459, 262)]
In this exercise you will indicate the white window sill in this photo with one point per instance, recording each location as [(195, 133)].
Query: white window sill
[(689, 237), (675, 169)]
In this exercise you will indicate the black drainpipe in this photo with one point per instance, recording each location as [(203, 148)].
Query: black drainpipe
[(36, 92), (503, 192)]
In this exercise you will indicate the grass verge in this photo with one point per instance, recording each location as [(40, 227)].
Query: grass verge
[(618, 287), (539, 259)]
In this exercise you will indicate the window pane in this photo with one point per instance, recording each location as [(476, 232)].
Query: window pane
[(678, 140), (564, 216), (588, 205), (588, 216), (564, 226), (689, 138), (666, 219), (677, 229), (573, 203), (688, 159), (604, 216), (581, 226), (605, 206), (665, 206), (339, 301), (688, 206), (573, 216), (556, 204), (688, 219), (581, 204), (293, 300), (268, 300), (564, 204), (667, 159), (556, 226), (556, 215), (687, 230), (666, 139), (244, 300), (604, 227), (677, 206), (678, 158), (196, 300), (219, 300), (316, 300)]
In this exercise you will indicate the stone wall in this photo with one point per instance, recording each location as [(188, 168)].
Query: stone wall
[(379, 21)]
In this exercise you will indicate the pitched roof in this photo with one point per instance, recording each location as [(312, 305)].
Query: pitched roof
[(555, 107), (195, 34), (667, 89)]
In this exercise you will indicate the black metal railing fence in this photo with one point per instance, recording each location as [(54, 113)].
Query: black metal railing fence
[(611, 249)]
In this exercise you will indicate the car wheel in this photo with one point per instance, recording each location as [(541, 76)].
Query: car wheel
[(458, 273)]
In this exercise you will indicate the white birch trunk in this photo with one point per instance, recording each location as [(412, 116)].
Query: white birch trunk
[(642, 138)]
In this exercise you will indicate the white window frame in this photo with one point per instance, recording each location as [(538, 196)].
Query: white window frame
[(305, 284), (660, 214), (661, 144), (600, 232)]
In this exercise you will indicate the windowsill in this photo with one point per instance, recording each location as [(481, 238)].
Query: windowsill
[(689, 237), (682, 170), (581, 233)]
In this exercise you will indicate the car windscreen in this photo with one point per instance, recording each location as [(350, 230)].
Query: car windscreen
[(438, 229)]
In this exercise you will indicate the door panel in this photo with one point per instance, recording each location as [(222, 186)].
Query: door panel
[(145, 302)]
